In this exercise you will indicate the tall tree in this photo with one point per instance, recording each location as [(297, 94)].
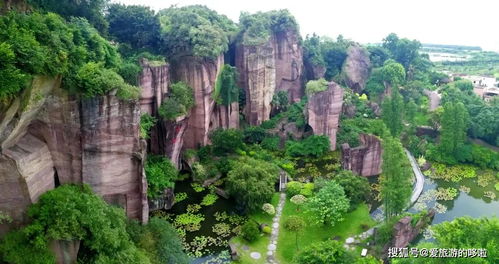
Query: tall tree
[(395, 179), (329, 205), (455, 121), (392, 111), (135, 25)]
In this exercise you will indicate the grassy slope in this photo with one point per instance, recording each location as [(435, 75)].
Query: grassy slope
[(352, 225)]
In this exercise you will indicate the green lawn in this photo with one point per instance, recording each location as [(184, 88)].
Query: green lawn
[(352, 225), (259, 245)]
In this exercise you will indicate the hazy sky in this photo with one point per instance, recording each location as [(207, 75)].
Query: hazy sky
[(465, 22)]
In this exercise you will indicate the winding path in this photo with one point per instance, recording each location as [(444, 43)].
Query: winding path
[(434, 99), (272, 247)]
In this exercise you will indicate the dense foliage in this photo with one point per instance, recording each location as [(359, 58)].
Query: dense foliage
[(350, 129), (146, 123), (251, 182), (135, 25), (315, 86), (356, 188), (161, 174), (159, 240), (323, 51), (73, 213), (194, 30), (92, 10), (44, 44), (226, 141), (330, 251), (311, 146), (257, 28), (393, 109), (179, 102)]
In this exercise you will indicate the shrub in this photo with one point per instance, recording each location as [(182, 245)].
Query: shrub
[(330, 251), (356, 187), (161, 174), (226, 90), (146, 123), (267, 230), (268, 208), (257, 28), (130, 72), (178, 103), (293, 188), (250, 231), (307, 189), (329, 204), (316, 86)]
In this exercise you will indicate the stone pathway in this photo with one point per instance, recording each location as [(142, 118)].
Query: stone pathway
[(272, 247)]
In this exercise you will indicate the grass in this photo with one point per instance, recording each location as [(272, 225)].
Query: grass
[(354, 223), (260, 245)]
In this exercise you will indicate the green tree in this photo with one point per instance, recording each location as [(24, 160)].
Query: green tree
[(410, 112), (295, 224), (356, 187), (329, 204), (403, 50), (378, 55), (255, 29), (311, 146), (392, 111), (330, 251), (395, 180), (159, 240), (72, 212), (136, 25), (455, 120), (251, 182), (92, 10), (194, 30), (254, 135), (226, 141)]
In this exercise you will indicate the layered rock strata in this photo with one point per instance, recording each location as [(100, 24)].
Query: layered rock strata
[(356, 68), (323, 111)]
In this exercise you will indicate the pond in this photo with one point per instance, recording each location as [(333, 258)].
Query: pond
[(219, 222), (470, 200)]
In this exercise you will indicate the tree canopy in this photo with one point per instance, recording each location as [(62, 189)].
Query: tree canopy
[(256, 29), (329, 204)]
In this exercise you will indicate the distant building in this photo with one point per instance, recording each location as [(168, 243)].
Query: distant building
[(485, 87)]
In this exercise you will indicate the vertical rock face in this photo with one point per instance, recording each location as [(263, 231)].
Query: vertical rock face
[(404, 232), (289, 64), (225, 116), (323, 109), (93, 141), (26, 172), (201, 75), (314, 72), (257, 76), (276, 65), (357, 67), (365, 160), (154, 82)]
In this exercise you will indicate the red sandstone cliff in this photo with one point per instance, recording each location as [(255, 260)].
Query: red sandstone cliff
[(60, 139), (357, 68), (323, 110), (276, 65), (365, 160)]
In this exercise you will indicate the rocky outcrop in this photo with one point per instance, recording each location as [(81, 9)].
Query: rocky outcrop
[(276, 65), (405, 231), (323, 110), (356, 68), (314, 72), (365, 160), (154, 81), (225, 116), (201, 75), (56, 139), (164, 202)]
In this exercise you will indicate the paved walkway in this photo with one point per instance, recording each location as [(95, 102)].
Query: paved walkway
[(272, 247), (434, 99)]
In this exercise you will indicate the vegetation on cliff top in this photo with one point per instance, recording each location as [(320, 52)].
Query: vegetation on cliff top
[(178, 103), (257, 28)]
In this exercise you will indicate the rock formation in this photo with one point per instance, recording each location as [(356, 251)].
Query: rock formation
[(314, 72), (404, 231), (323, 110), (357, 68), (201, 75), (276, 65), (61, 139), (365, 160), (167, 137)]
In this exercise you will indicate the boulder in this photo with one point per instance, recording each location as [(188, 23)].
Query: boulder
[(163, 202), (365, 160), (323, 110), (356, 68), (276, 65), (201, 75)]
